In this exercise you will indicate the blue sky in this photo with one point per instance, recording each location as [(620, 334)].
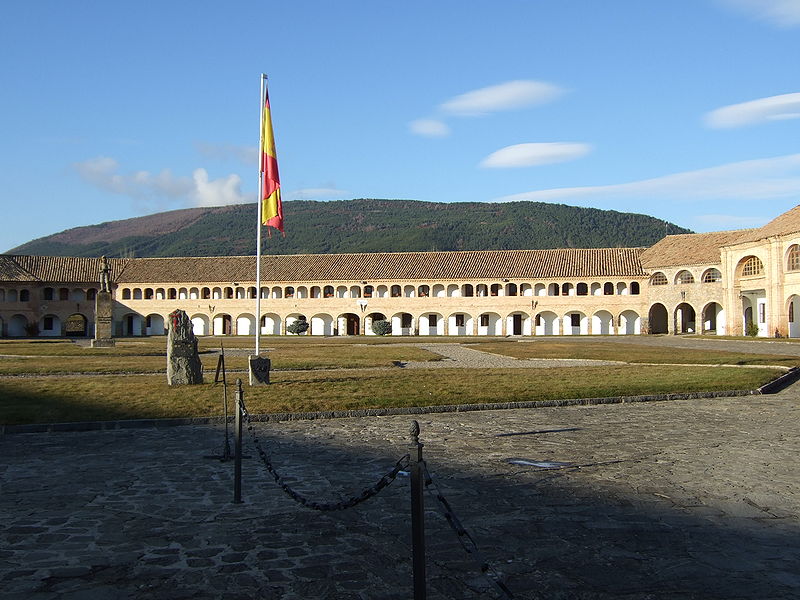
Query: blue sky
[(686, 110)]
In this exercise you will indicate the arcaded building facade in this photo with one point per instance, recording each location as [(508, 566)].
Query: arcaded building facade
[(721, 283)]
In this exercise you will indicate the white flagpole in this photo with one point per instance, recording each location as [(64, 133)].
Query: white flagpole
[(263, 83)]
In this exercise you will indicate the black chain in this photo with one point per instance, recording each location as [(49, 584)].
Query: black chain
[(464, 538), (366, 494)]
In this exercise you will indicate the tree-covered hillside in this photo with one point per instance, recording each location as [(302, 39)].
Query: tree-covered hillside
[(363, 226)]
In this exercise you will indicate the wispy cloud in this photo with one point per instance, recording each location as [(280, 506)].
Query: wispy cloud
[(156, 191), (752, 180), (247, 155), (429, 128), (783, 13), (533, 154), (773, 108), (314, 193), (505, 96)]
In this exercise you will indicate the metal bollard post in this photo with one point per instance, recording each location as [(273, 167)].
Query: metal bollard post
[(237, 459), (417, 513)]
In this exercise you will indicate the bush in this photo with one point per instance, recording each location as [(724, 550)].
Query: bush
[(752, 329), (381, 327), (298, 327)]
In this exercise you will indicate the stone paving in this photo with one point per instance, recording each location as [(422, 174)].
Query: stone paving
[(682, 499)]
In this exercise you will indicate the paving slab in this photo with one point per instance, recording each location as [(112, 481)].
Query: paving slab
[(681, 499)]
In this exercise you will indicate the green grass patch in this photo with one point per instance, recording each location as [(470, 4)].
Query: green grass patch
[(87, 398), (634, 353)]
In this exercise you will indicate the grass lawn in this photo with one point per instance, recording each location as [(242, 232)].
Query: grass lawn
[(86, 398)]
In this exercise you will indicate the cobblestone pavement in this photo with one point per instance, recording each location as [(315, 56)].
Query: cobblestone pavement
[(665, 500)]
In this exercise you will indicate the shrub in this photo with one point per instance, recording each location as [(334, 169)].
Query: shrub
[(381, 327), (299, 326), (752, 329)]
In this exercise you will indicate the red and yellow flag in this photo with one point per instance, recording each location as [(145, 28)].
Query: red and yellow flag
[(271, 207)]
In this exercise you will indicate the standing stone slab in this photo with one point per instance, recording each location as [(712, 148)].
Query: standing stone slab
[(183, 360), (103, 309)]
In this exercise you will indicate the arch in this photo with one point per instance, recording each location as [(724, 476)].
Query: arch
[(793, 310), (132, 324), (288, 292), (495, 289), (438, 291), (222, 324), (525, 289), (685, 317), (76, 325), (246, 324), (194, 293), (18, 326), (126, 294), (608, 289), (453, 290), (316, 291), (395, 291), (251, 292), (328, 291), (183, 294), (575, 323), (635, 288), (629, 323), (402, 324), (200, 324), (368, 291), (602, 323), (205, 293), (322, 324), (355, 291), (431, 323), (48, 294), (481, 290), (540, 289), (511, 289), (711, 275), (341, 291), (546, 323), (623, 290), (349, 324), (518, 323), (467, 290), (793, 258), (270, 324), (582, 289), (240, 292), (567, 289), (370, 319), (750, 266), (227, 293), (459, 323), (63, 294), (658, 318), (490, 323), (50, 326), (553, 289), (302, 291), (154, 325), (658, 278), (78, 295), (13, 295), (409, 291), (277, 292), (713, 319), (596, 289), (684, 277), (382, 291), (424, 291)]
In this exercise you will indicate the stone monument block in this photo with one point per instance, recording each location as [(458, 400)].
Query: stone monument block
[(259, 370), (103, 311), (183, 360)]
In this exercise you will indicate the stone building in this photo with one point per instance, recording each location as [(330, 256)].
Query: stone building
[(692, 283)]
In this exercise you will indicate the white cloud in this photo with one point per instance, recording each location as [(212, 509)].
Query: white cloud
[(504, 96), (529, 155), (783, 13), (785, 106), (752, 180), (429, 128), (247, 155), (155, 191), (313, 193)]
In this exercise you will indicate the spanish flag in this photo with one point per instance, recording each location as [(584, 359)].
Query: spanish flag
[(271, 208)]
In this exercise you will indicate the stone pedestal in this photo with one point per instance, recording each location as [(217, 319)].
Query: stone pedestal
[(183, 361), (259, 370), (103, 320)]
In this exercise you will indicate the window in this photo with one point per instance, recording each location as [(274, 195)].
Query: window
[(432, 320), (608, 289), (635, 288), (793, 262), (575, 320), (91, 294), (289, 292), (459, 320), (47, 324), (396, 291), (484, 320), (48, 293), (762, 313), (63, 294), (368, 291), (405, 321), (583, 289), (684, 277), (791, 312), (712, 276), (658, 279), (752, 267), (126, 294)]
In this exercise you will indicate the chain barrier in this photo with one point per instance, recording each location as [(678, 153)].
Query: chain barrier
[(365, 494), (464, 538)]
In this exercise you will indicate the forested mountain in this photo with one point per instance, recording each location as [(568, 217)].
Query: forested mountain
[(359, 226)]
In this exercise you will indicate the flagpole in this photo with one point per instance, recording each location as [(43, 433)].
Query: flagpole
[(259, 202)]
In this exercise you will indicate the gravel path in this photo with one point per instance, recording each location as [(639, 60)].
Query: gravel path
[(458, 356)]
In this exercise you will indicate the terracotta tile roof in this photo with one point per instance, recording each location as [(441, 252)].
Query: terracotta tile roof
[(56, 269), (788, 222), (489, 264), (689, 249)]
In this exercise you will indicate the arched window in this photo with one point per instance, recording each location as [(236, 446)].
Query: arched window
[(634, 288), (684, 277), (608, 289), (126, 294), (658, 279), (712, 276), (793, 259), (752, 267), (582, 289)]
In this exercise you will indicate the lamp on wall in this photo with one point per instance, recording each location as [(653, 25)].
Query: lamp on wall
[(362, 304)]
